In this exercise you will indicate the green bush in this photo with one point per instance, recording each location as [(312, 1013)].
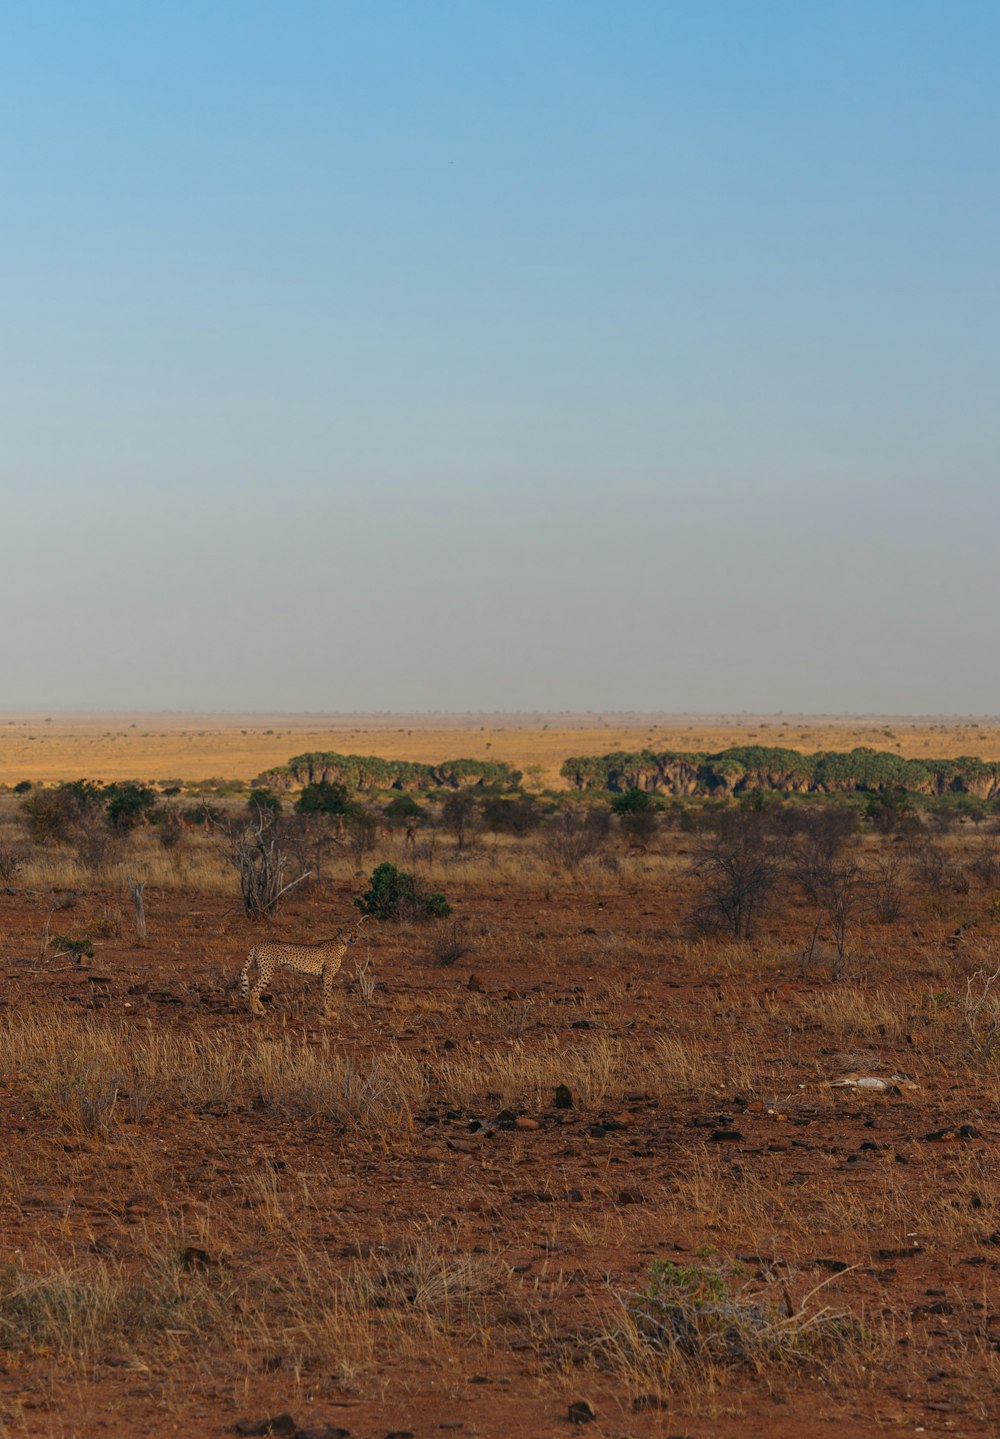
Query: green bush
[(264, 802), (633, 801), (395, 894), (324, 798), (127, 805)]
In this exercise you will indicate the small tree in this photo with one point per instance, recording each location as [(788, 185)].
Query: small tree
[(826, 863), (573, 835), (258, 851), (739, 865), (458, 814), (264, 801), (324, 798), (362, 831), (889, 811), (402, 810)]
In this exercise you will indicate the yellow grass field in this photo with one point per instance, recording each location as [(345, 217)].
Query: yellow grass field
[(158, 747)]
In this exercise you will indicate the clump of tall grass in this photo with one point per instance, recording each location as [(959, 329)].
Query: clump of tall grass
[(74, 1074)]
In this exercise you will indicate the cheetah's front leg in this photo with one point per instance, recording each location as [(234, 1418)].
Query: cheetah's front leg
[(328, 1010)]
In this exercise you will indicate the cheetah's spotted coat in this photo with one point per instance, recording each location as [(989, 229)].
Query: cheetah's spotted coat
[(324, 958)]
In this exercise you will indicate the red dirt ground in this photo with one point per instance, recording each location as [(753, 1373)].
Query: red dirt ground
[(567, 1213)]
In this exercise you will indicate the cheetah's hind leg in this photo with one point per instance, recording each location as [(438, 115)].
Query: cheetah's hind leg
[(260, 984)]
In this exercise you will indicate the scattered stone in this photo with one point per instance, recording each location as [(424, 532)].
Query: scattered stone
[(564, 1097), (280, 1425), (951, 1131), (642, 1402), (904, 1252), (631, 1196), (580, 1024), (722, 1136), (474, 985), (940, 1306), (523, 1122), (581, 1412), (194, 1258), (506, 1119)]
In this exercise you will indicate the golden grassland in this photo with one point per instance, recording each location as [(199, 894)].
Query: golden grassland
[(157, 747)]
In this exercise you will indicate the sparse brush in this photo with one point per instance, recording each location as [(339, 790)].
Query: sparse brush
[(710, 1318), (365, 979), (981, 1013), (81, 1100), (109, 925), (449, 948), (12, 859), (78, 948)]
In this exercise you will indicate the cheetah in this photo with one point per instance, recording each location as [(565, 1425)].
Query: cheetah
[(324, 958)]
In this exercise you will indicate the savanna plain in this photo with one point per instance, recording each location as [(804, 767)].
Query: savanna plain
[(681, 1121)]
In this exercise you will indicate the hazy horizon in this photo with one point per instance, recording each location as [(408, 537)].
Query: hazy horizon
[(445, 359)]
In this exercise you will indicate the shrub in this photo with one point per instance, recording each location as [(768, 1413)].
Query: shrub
[(516, 816), (395, 894), (79, 949), (127, 805), (54, 816), (11, 861), (633, 801), (640, 826)]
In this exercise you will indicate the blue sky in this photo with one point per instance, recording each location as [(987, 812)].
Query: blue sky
[(472, 356)]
